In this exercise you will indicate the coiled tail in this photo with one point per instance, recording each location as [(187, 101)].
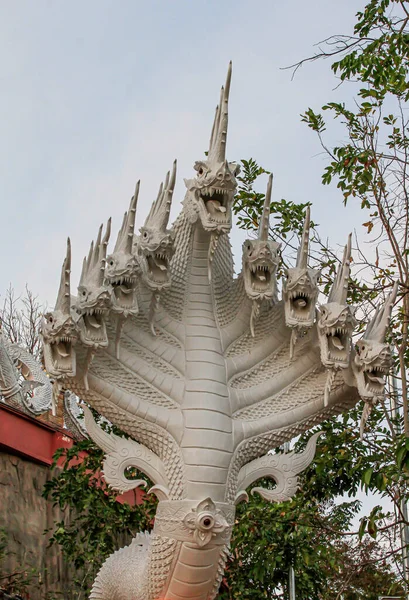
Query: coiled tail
[(183, 558)]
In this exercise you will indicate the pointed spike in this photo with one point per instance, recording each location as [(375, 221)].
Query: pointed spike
[(377, 328), (159, 193), (165, 187), (105, 241), (217, 150), (339, 290), (172, 181), (130, 226), (265, 217), (64, 293), (90, 255), (95, 258), (121, 233), (84, 271), (214, 129), (228, 82), (98, 240), (302, 258)]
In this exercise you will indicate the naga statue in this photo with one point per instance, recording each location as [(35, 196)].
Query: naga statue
[(204, 371)]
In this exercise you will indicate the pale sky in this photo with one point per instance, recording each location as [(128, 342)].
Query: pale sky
[(98, 94)]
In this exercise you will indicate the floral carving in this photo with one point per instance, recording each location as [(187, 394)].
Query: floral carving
[(206, 521)]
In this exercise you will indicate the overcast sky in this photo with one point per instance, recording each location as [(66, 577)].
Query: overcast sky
[(97, 94)]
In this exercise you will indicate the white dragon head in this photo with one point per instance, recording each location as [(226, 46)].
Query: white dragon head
[(300, 289), (373, 357), (210, 194), (336, 320), (155, 244), (94, 296), (58, 328), (121, 269), (260, 258)]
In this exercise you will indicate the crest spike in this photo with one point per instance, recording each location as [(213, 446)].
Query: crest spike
[(129, 230), (173, 176), (217, 149), (339, 290), (302, 258), (64, 293), (84, 270), (121, 233), (378, 326), (265, 217), (104, 243), (214, 128), (90, 255), (159, 213), (167, 180), (159, 193), (101, 250)]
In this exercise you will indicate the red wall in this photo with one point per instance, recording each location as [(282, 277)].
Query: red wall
[(37, 441)]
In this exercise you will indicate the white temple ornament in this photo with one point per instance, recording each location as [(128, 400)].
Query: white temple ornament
[(205, 372)]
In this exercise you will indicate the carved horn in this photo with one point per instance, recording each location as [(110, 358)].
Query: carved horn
[(130, 222), (302, 258), (64, 293), (265, 217), (158, 216), (217, 149), (339, 290), (168, 195), (378, 326), (120, 238), (126, 233), (102, 251)]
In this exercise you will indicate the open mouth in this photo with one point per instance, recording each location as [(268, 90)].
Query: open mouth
[(374, 378), (215, 202), (61, 354), (94, 325), (158, 264), (300, 303), (260, 277), (123, 288), (337, 343)]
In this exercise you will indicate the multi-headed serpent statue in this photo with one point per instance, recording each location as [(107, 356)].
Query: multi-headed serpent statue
[(205, 372)]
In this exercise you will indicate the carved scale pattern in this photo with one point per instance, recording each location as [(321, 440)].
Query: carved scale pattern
[(228, 293), (141, 323), (149, 434), (268, 321), (224, 555), (108, 368), (260, 445), (304, 389), (164, 552), (150, 358), (174, 300), (266, 369)]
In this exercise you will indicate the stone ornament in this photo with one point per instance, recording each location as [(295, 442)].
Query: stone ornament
[(206, 372)]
